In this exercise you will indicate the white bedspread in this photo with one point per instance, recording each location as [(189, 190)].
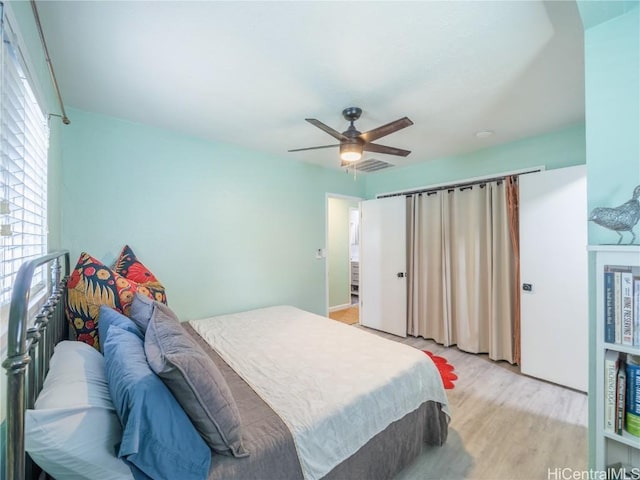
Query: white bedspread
[(334, 386)]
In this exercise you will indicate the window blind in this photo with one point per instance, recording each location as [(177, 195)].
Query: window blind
[(24, 138)]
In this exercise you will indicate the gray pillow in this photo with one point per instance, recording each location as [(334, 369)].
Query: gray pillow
[(141, 311), (195, 381)]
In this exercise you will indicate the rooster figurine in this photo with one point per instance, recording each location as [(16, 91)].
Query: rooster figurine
[(619, 219)]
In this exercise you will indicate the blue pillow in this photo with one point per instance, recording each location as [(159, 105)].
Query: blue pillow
[(158, 438), (141, 311), (107, 317)]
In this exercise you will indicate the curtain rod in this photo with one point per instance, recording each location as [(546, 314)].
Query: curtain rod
[(65, 119), (453, 186)]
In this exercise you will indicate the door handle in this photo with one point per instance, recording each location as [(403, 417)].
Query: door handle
[(401, 274)]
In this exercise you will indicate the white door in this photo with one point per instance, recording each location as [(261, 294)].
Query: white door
[(553, 262), (383, 260)]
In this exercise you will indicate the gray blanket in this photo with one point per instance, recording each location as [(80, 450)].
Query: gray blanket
[(272, 450)]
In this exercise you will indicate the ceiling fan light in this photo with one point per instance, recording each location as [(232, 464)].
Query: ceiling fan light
[(351, 152)]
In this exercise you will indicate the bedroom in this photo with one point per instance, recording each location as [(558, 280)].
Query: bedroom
[(225, 223)]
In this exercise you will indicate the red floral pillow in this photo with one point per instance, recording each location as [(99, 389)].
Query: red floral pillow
[(133, 269), (92, 284)]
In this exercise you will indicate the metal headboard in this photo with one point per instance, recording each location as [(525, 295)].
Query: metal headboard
[(29, 349)]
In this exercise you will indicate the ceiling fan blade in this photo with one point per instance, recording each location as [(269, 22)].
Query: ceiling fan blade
[(374, 147), (313, 148), (376, 133), (326, 128)]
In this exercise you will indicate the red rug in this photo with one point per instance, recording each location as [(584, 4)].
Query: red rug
[(445, 369)]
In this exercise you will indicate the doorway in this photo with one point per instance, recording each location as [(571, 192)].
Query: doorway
[(354, 254), (342, 256)]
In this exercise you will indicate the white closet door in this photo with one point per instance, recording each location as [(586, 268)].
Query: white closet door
[(553, 260), (383, 260)]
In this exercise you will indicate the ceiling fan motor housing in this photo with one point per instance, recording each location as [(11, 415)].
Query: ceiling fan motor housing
[(352, 114)]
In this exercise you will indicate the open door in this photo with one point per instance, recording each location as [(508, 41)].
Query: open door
[(553, 273), (383, 265)]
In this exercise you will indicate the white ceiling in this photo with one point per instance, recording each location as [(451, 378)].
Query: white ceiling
[(249, 73)]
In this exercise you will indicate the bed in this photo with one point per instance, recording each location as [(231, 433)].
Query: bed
[(316, 398)]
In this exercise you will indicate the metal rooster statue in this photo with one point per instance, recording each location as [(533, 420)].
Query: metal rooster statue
[(619, 219)]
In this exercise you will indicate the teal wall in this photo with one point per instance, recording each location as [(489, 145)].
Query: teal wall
[(563, 148), (54, 182), (612, 107), (338, 261), (594, 13), (225, 229), (612, 103)]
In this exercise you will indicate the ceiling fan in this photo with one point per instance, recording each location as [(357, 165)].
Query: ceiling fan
[(353, 143)]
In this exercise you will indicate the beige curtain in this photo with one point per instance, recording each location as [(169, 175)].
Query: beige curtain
[(427, 274), (461, 269)]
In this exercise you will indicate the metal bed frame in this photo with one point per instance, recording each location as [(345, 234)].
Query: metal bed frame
[(30, 342)]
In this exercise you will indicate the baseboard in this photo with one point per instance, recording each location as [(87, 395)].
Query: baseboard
[(340, 307)]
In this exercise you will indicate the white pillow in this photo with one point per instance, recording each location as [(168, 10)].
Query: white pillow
[(76, 378), (74, 428)]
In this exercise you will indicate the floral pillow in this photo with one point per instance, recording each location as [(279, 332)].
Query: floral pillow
[(92, 284), (133, 269)]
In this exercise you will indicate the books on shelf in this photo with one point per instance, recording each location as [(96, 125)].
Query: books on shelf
[(622, 305), (617, 391), (622, 393)]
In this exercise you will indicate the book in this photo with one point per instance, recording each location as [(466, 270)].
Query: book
[(633, 424), (633, 384), (617, 305), (636, 310), (621, 397), (610, 390), (609, 316), (626, 305)]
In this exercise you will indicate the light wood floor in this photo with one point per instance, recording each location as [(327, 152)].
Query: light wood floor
[(505, 426), (349, 315)]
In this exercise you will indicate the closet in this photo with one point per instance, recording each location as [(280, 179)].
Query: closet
[(553, 259)]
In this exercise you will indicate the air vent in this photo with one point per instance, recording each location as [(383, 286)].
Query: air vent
[(369, 165)]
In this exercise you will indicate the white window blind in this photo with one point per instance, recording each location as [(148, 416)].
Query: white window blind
[(24, 137)]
